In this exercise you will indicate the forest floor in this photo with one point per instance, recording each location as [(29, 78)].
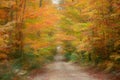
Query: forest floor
[(62, 70)]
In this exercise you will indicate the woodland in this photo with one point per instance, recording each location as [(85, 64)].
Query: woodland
[(30, 31)]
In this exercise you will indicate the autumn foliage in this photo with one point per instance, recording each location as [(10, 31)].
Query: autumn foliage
[(30, 31)]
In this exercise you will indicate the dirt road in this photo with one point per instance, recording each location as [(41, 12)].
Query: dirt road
[(61, 70)]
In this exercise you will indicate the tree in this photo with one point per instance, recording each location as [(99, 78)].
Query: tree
[(41, 1)]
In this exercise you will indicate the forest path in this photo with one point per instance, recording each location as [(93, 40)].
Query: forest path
[(61, 70)]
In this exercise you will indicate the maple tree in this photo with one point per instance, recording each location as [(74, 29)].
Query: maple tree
[(95, 27), (87, 30)]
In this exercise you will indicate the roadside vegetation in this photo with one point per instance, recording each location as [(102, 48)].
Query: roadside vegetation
[(31, 30)]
